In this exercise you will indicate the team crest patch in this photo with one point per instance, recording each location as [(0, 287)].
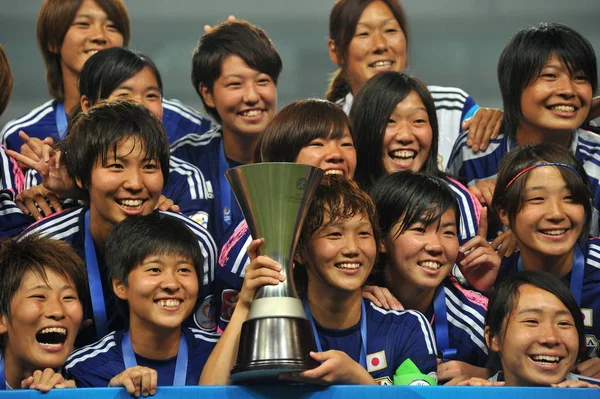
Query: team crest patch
[(204, 316), (376, 361), (592, 345), (200, 218), (384, 381), (228, 300)]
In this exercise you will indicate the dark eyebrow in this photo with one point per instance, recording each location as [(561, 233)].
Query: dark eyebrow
[(47, 287), (565, 187), (123, 87), (561, 312), (449, 224), (383, 22)]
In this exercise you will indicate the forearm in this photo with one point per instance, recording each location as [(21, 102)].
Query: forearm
[(218, 366), (365, 378)]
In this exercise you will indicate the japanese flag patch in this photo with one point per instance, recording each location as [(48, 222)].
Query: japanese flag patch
[(376, 361)]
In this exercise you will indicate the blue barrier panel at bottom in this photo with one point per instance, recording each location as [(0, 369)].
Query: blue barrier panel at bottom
[(305, 392)]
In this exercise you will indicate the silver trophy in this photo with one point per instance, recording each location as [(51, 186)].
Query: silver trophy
[(277, 338)]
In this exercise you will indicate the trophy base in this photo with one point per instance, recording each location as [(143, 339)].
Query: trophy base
[(272, 346)]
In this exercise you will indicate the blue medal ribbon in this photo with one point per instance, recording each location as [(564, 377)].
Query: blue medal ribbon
[(363, 331), (181, 364), (95, 281), (61, 120), (576, 283), (224, 188), (2, 377), (440, 319)]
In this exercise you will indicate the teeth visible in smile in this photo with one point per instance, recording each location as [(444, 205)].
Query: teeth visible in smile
[(403, 155), (169, 303), (563, 108), (58, 330), (431, 265), (92, 52), (334, 172), (131, 203), (348, 265), (251, 113), (53, 337), (51, 345), (555, 232), (545, 358), (379, 64)]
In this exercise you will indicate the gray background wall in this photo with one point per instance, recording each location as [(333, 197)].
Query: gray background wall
[(454, 42)]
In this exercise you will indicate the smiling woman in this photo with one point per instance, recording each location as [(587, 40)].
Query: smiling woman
[(43, 288), (395, 128), (235, 69), (118, 154), (534, 331), (312, 131), (543, 195), (547, 75), (357, 342), (155, 267), (369, 37), (68, 33), (419, 219)]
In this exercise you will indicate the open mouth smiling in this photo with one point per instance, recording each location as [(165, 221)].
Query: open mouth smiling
[(52, 337)]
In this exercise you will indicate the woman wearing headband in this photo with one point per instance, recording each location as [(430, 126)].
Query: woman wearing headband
[(543, 195), (547, 75)]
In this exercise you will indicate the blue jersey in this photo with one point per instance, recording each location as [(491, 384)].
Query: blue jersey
[(44, 121), (590, 291), (69, 226), (206, 152), (233, 257), (186, 187), (452, 107), (392, 338), (471, 167), (470, 210), (12, 219), (465, 310), (229, 277), (179, 120), (96, 364), (39, 122)]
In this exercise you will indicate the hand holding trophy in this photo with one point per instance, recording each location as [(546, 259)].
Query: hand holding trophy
[(277, 337)]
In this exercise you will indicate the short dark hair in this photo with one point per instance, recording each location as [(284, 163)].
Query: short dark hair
[(296, 125), (370, 113), (408, 198), (136, 238), (525, 55), (54, 20), (505, 297), (91, 136), (103, 72), (519, 158), (336, 199), (343, 19), (37, 254), (6, 80), (241, 38)]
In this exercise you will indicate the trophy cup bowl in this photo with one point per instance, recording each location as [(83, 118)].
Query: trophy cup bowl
[(277, 338)]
